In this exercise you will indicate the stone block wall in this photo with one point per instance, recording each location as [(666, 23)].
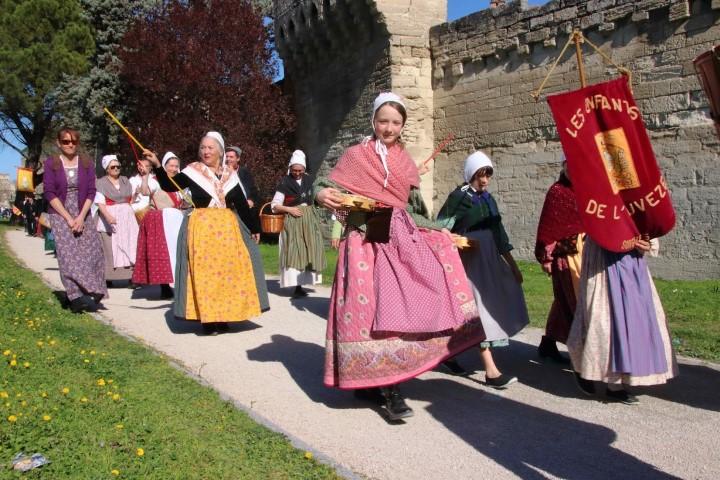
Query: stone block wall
[(486, 65)]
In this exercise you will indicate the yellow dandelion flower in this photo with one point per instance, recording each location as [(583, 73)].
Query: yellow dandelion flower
[(4, 395), (52, 342), (84, 400), (40, 343), (26, 364), (7, 352), (110, 381), (12, 419), (92, 352), (119, 426), (65, 390), (18, 394), (23, 403), (101, 382), (140, 452), (13, 363), (82, 352), (47, 418), (308, 455), (115, 472), (116, 397), (43, 394), (86, 360)]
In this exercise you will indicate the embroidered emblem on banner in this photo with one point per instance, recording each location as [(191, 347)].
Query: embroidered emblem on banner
[(617, 159)]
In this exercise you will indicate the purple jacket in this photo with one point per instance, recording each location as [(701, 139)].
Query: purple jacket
[(55, 183)]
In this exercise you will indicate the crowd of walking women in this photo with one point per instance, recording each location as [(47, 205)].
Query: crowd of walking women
[(404, 298)]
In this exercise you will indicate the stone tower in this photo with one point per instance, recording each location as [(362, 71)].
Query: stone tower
[(339, 54)]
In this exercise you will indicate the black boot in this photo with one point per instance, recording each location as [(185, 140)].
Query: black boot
[(548, 348), (395, 404), (166, 291)]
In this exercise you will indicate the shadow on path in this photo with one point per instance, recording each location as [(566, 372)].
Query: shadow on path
[(529, 441), (182, 326)]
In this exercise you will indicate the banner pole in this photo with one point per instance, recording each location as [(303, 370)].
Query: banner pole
[(578, 39)]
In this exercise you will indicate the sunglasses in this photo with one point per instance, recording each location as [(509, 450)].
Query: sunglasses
[(69, 142), (114, 167)]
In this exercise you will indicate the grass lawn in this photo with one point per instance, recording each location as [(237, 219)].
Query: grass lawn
[(692, 307), (101, 406)]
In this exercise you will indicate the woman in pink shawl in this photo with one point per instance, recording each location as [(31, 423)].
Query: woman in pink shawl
[(401, 302)]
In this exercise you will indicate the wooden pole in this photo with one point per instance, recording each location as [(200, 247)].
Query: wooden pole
[(578, 39)]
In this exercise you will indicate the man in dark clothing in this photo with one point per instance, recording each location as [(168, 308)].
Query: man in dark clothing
[(29, 212), (232, 157)]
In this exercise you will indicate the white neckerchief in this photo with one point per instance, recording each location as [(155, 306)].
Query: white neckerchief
[(207, 183), (382, 151)]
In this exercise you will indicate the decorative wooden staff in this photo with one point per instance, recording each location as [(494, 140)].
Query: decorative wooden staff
[(137, 142), (440, 148)]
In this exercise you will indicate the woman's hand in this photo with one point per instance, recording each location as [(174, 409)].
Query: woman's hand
[(78, 225), (255, 237), (335, 243), (152, 157), (295, 211), (517, 274), (423, 169), (329, 198), (642, 245), (547, 268), (111, 219)]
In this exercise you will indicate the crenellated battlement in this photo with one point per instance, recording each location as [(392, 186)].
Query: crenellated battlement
[(495, 33)]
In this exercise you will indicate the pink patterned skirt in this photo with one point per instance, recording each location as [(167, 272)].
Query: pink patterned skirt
[(397, 308)]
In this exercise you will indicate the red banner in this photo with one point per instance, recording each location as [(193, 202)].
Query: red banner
[(621, 194)]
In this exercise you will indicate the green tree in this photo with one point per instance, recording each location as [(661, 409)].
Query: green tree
[(41, 41), (83, 96)]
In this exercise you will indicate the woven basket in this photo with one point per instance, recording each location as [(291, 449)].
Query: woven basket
[(271, 222)]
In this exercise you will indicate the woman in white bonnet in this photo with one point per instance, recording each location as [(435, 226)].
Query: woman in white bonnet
[(219, 276), (302, 250)]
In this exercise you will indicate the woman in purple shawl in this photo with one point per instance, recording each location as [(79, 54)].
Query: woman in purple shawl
[(69, 188)]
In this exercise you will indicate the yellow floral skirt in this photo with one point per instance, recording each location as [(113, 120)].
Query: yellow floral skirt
[(220, 284)]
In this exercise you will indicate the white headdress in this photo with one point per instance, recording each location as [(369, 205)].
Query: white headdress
[(475, 162), (298, 158), (107, 159), (167, 157), (218, 138), (380, 147)]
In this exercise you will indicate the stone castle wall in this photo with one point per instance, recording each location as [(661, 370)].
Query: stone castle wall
[(486, 65), (473, 77)]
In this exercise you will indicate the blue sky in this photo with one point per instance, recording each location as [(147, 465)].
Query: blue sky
[(9, 159)]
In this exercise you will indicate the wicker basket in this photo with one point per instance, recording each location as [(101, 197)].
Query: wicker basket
[(271, 222)]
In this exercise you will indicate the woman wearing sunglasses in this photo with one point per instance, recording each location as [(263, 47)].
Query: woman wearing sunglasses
[(69, 184), (117, 225)]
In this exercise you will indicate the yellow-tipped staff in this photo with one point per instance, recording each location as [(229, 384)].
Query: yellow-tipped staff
[(137, 142)]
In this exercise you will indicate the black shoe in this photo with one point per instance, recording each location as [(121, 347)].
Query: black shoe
[(209, 329), (166, 292), (299, 292), (454, 368), (587, 387), (501, 382), (97, 297), (395, 405), (622, 396), (369, 395), (548, 348), (77, 305)]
